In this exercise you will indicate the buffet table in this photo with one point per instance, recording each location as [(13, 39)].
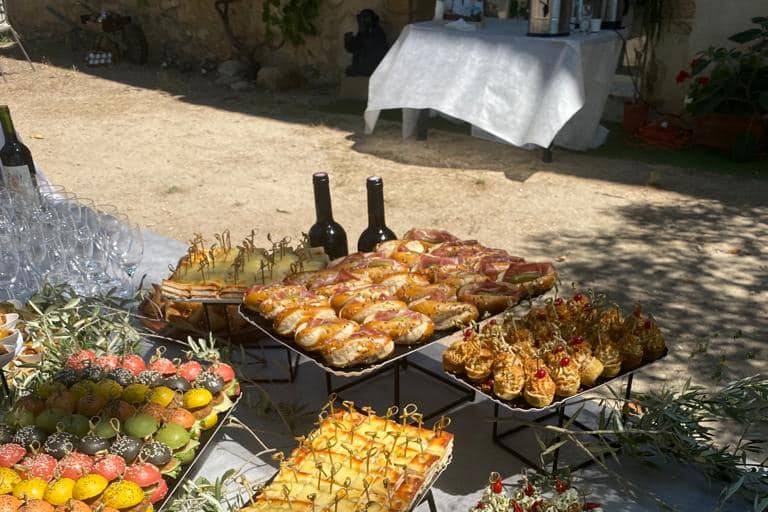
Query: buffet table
[(475, 455), (521, 90)]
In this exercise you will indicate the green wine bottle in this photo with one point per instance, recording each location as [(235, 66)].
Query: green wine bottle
[(17, 170)]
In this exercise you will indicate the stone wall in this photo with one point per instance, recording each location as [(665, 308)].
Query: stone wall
[(694, 25), (191, 29)]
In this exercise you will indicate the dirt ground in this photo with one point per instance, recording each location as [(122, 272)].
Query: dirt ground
[(181, 155)]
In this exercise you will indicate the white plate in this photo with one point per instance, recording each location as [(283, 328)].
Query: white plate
[(11, 319), (13, 345)]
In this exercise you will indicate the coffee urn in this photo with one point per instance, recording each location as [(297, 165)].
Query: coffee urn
[(613, 13), (549, 18)]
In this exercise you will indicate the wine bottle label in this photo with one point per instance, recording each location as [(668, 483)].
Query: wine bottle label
[(18, 179)]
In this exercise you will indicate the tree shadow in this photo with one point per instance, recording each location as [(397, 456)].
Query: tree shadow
[(698, 266)]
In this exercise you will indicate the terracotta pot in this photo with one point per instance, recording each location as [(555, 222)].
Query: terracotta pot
[(721, 131), (635, 116)]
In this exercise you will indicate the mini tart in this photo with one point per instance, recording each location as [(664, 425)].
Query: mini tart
[(508, 381), (455, 357), (653, 341), (506, 359), (610, 356), (517, 335), (539, 391), (590, 368), (631, 351), (553, 357), (531, 364), (566, 378), (478, 365)]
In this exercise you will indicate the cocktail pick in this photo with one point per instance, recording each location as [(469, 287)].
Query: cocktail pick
[(312, 497), (329, 445), (370, 412), (408, 410), (334, 470), (392, 411), (287, 494), (320, 473), (366, 484), (340, 495), (351, 452), (495, 477), (442, 424), (386, 485), (370, 452)]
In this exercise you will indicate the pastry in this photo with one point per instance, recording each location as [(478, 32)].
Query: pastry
[(258, 293), (404, 326), (220, 270), (479, 365), (369, 292), (532, 364), (286, 322), (506, 359), (354, 462), (445, 314), (508, 380), (610, 356), (360, 310), (455, 356), (275, 305), (590, 368), (566, 377), (653, 340), (331, 290), (429, 236), (532, 278), (377, 269), (539, 389), (363, 347), (313, 334), (631, 351), (400, 279), (490, 296), (414, 292)]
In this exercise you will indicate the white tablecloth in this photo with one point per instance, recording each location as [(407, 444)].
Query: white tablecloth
[(522, 90)]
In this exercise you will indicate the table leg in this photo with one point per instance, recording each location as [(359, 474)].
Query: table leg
[(397, 385), (560, 421), (431, 501), (627, 396), (328, 384), (6, 387), (546, 155), (422, 125), (495, 420)]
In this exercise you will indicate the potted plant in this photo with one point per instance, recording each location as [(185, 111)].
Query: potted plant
[(728, 92)]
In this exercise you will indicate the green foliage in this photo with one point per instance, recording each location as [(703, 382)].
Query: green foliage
[(731, 81), (687, 427), (293, 19)]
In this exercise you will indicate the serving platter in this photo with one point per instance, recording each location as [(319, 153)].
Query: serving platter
[(520, 408), (206, 438), (400, 352), (418, 498)]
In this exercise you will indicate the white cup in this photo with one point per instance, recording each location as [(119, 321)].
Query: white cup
[(439, 11), (594, 24)]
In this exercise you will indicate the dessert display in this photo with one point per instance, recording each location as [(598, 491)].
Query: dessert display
[(555, 351), (220, 270), (541, 493), (109, 431), (359, 461), (360, 307)]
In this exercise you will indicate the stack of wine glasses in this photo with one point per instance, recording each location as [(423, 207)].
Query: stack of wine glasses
[(64, 238)]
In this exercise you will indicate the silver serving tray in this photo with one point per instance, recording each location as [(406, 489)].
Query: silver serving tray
[(400, 351), (175, 484), (216, 300), (417, 499), (520, 408)]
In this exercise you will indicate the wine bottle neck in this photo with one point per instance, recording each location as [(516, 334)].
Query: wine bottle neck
[(323, 208), (376, 206), (9, 132)]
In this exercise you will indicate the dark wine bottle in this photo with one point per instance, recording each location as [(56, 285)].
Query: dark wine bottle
[(326, 232), (377, 230), (17, 170)]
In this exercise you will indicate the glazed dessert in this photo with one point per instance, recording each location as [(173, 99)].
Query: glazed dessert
[(220, 270)]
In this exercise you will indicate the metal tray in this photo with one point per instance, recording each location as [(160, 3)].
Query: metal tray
[(521, 408), (175, 484), (233, 301), (400, 351), (418, 498)]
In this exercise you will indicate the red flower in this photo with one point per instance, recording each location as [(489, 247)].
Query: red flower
[(591, 506), (702, 80), (682, 76)]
